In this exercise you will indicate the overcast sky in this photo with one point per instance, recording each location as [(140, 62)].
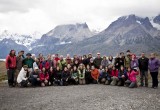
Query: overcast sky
[(28, 16)]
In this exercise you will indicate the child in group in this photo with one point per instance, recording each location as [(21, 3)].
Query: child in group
[(122, 76), (65, 76), (58, 77), (114, 76), (81, 73), (88, 77), (44, 77), (94, 74), (74, 76), (131, 81)]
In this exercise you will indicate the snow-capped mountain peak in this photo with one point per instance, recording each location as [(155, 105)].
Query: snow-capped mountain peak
[(25, 40)]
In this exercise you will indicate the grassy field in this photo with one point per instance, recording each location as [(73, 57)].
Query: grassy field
[(2, 71)]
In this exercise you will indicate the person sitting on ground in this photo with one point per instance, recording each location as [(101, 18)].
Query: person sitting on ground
[(65, 76), (44, 77), (114, 76), (34, 77), (58, 77), (102, 76), (131, 82), (101, 71), (51, 73), (88, 77), (81, 74), (74, 76), (108, 76), (22, 78), (95, 75), (122, 76)]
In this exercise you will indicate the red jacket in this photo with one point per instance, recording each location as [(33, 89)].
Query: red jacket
[(47, 65), (43, 76), (10, 62), (132, 75), (114, 73)]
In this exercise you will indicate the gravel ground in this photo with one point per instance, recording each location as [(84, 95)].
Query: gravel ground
[(81, 97)]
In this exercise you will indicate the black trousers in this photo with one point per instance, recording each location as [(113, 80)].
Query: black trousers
[(10, 74), (154, 76)]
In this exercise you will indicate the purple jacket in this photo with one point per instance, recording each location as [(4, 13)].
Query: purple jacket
[(153, 65), (134, 63)]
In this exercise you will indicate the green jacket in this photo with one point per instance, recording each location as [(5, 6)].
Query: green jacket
[(81, 74), (28, 62), (61, 64), (127, 61)]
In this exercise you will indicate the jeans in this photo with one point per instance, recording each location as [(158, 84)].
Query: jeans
[(10, 74), (154, 76), (144, 75), (130, 84)]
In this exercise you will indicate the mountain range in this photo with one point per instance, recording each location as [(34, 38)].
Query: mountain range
[(127, 32)]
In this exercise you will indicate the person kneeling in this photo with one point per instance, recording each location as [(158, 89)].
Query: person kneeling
[(65, 76), (95, 75), (22, 78), (44, 77), (122, 76), (34, 77), (131, 81), (81, 73), (114, 76)]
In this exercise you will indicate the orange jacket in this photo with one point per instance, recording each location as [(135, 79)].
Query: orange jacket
[(95, 74)]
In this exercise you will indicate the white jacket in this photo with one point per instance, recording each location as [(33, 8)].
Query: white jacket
[(21, 75)]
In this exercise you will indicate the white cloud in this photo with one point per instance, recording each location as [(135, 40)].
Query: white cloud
[(27, 16)]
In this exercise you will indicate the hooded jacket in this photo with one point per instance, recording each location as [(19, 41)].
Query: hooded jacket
[(22, 75)]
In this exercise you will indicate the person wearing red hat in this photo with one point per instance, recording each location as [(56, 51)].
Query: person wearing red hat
[(11, 67)]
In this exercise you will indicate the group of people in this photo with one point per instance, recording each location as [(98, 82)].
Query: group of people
[(25, 71)]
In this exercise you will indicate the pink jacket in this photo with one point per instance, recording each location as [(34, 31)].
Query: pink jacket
[(132, 75)]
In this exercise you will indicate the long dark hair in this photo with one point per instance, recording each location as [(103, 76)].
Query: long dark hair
[(11, 53)]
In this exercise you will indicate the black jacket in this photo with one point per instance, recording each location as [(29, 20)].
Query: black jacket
[(143, 63)]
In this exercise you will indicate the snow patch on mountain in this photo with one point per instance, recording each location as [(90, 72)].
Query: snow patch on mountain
[(25, 40), (155, 25)]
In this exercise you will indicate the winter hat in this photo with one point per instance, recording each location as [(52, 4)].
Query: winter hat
[(28, 54)]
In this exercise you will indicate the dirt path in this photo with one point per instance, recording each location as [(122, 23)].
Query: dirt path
[(87, 97)]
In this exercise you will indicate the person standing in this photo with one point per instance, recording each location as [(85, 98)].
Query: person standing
[(11, 67), (29, 62), (127, 59), (153, 68), (98, 60), (143, 66), (19, 60)]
